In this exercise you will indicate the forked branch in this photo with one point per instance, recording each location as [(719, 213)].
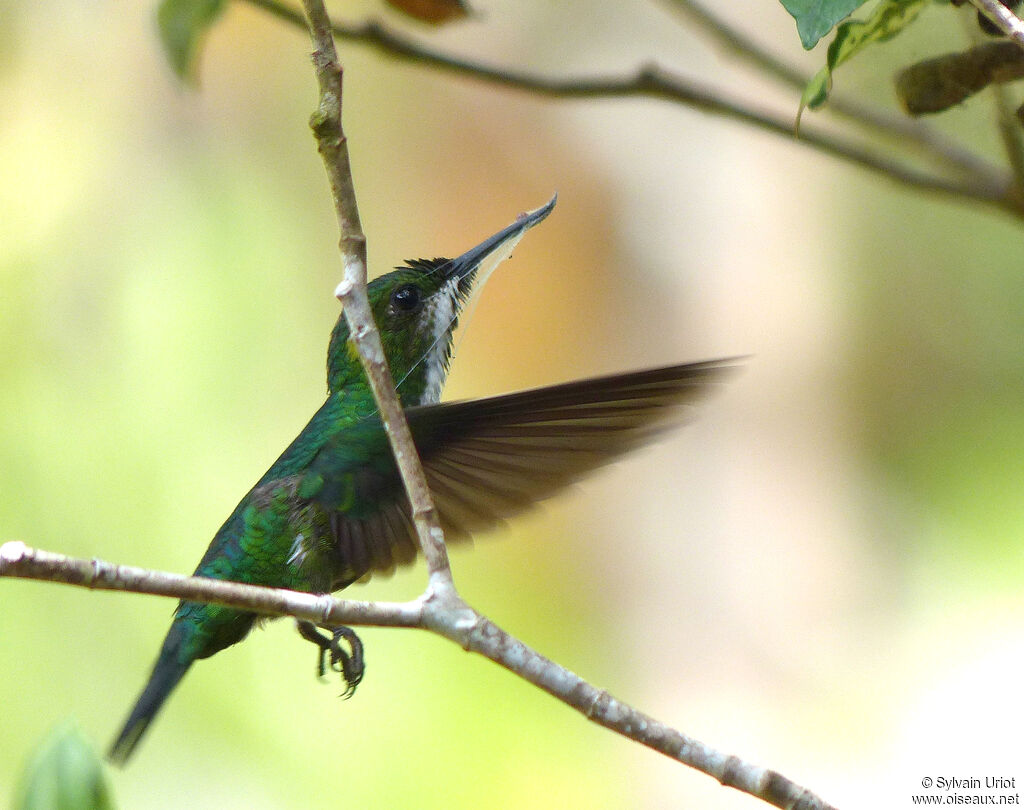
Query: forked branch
[(454, 621)]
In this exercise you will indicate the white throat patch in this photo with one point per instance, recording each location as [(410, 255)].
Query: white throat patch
[(441, 310)]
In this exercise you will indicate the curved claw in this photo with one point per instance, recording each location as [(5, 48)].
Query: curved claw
[(349, 663)]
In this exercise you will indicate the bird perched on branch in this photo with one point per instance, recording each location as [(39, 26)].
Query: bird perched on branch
[(332, 510)]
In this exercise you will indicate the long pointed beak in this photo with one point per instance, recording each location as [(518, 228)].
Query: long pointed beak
[(500, 245)]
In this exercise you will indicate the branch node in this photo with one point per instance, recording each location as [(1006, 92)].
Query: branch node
[(732, 770), (599, 705), (344, 289), (95, 572), (470, 624), (13, 552), (320, 123), (328, 607), (648, 76), (360, 333), (426, 512)]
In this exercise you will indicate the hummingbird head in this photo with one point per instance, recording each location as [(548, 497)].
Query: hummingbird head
[(417, 308)]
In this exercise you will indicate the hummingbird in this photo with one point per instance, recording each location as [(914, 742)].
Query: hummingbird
[(332, 510)]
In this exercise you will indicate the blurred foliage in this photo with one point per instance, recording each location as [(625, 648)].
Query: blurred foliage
[(936, 84), (64, 774), (943, 385), (182, 25), (887, 20), (432, 11), (815, 18)]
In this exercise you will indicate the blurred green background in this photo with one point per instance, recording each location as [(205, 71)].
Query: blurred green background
[(822, 574)]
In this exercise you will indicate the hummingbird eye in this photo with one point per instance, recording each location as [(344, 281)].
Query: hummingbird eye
[(405, 299)]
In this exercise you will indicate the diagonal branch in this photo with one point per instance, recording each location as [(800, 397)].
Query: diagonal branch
[(333, 147), (1010, 132), (996, 62), (982, 183), (1003, 17), (932, 143), (462, 625)]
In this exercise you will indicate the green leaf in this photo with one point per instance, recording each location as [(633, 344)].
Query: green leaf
[(816, 91), (182, 24), (64, 774), (886, 21), (815, 18)]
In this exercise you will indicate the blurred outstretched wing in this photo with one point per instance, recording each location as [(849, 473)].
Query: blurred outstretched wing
[(488, 459)]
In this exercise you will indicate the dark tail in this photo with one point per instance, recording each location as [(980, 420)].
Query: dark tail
[(171, 666)]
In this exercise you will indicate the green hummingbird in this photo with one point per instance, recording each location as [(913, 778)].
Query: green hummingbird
[(332, 510)]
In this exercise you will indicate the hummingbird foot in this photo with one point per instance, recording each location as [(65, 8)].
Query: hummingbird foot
[(348, 662)]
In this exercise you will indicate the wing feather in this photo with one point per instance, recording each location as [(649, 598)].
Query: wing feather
[(489, 459)]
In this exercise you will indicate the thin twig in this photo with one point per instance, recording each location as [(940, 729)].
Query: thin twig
[(462, 625), (1006, 122), (1008, 22), (739, 44), (932, 143), (19, 560), (991, 186), (333, 146), (1010, 133)]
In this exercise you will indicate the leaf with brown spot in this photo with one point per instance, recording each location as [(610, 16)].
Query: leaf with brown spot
[(434, 12)]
